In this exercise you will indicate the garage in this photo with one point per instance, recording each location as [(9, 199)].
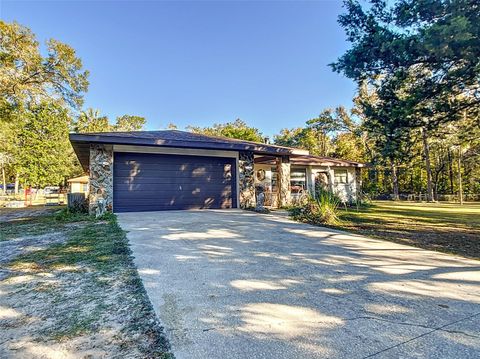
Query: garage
[(156, 182), (173, 170)]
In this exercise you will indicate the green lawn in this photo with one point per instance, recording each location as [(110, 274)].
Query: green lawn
[(445, 227)]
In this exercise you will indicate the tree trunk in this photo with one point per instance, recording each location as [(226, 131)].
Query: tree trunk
[(450, 170), (426, 150), (412, 183), (17, 183), (394, 180), (4, 181), (460, 189)]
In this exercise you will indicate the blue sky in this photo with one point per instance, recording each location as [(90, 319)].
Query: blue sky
[(199, 63)]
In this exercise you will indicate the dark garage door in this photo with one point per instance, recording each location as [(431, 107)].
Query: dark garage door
[(151, 182)]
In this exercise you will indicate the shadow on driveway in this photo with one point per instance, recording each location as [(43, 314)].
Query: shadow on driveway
[(235, 284)]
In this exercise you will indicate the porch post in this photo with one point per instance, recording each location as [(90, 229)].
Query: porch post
[(358, 183), (331, 179), (246, 179), (101, 177), (283, 172)]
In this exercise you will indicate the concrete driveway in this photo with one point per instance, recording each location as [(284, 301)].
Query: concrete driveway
[(235, 284)]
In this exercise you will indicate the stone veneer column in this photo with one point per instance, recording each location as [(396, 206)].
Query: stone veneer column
[(283, 180), (246, 178), (101, 176)]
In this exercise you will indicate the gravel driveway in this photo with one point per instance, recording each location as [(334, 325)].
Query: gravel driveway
[(235, 284)]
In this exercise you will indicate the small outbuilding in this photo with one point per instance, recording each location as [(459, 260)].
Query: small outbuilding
[(78, 185)]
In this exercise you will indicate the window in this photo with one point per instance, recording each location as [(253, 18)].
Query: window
[(274, 179), (298, 180), (340, 176), (85, 187)]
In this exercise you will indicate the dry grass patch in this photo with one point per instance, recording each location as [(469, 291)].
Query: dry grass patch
[(79, 295)]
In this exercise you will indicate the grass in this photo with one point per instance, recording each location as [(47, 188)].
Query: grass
[(83, 286), (42, 224), (445, 227)]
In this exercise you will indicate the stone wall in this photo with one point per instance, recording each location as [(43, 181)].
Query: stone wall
[(101, 176), (283, 173), (246, 180)]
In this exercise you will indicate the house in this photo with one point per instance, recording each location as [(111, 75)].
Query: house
[(78, 185), (167, 170)]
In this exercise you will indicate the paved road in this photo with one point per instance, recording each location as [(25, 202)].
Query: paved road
[(234, 284)]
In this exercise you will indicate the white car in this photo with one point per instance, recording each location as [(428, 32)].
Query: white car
[(51, 190)]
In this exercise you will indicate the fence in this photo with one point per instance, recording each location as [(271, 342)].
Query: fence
[(31, 198), (422, 197)]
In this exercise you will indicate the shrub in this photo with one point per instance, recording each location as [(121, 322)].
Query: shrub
[(321, 209), (66, 215)]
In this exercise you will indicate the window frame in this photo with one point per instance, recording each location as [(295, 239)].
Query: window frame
[(336, 176)]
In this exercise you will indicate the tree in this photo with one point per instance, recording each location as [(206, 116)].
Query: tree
[(424, 54), (91, 121), (44, 153), (383, 118), (27, 76), (440, 39), (237, 129), (127, 123), (328, 123), (5, 160), (304, 138), (9, 131)]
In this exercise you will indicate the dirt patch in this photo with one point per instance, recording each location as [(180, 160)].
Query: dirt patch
[(73, 293), (9, 214)]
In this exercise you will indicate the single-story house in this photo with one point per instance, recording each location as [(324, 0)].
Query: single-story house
[(78, 185), (171, 170)]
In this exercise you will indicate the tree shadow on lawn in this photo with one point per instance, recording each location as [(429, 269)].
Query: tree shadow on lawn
[(438, 233)]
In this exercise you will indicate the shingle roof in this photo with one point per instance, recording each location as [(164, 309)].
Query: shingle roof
[(167, 136), (81, 179), (173, 138)]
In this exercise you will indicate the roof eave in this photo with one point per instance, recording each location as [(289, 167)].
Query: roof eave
[(257, 148)]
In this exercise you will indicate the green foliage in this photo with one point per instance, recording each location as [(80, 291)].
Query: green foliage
[(423, 55), (91, 121), (127, 123), (44, 152), (320, 210), (349, 146), (417, 63), (323, 135), (67, 215), (237, 129), (26, 76), (305, 138)]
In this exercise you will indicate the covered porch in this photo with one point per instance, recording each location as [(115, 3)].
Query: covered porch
[(286, 180)]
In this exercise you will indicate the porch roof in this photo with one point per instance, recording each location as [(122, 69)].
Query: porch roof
[(311, 160)]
